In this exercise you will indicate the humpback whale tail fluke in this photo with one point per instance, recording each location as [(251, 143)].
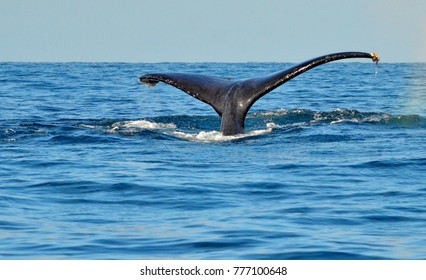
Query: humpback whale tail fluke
[(233, 99)]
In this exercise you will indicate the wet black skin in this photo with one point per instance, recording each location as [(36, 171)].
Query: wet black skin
[(233, 99)]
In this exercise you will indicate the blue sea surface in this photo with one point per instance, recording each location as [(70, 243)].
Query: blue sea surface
[(95, 165)]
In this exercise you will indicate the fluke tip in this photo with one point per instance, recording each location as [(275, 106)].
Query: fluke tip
[(375, 57)]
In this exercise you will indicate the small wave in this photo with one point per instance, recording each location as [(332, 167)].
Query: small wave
[(306, 117), (8, 140), (350, 116), (314, 255), (406, 121)]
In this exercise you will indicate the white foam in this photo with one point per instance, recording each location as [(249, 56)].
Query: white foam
[(277, 113), (132, 127), (139, 125), (88, 126), (273, 125), (147, 125), (217, 136)]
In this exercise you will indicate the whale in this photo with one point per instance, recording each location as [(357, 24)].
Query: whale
[(233, 99)]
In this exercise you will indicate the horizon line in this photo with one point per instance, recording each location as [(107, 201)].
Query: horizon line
[(196, 62)]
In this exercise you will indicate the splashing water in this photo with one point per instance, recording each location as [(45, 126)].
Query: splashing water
[(268, 122), (134, 127)]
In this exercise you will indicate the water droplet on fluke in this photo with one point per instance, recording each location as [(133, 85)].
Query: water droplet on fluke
[(376, 59)]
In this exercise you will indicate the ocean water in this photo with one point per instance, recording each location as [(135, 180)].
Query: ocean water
[(94, 165)]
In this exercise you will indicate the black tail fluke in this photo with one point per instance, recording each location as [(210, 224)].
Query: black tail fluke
[(233, 99)]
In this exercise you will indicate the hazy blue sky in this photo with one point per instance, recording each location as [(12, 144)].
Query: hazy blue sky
[(213, 30)]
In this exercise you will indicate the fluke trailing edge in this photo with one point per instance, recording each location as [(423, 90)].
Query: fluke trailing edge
[(233, 99)]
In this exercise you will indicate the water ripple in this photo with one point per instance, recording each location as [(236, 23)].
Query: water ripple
[(95, 166)]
